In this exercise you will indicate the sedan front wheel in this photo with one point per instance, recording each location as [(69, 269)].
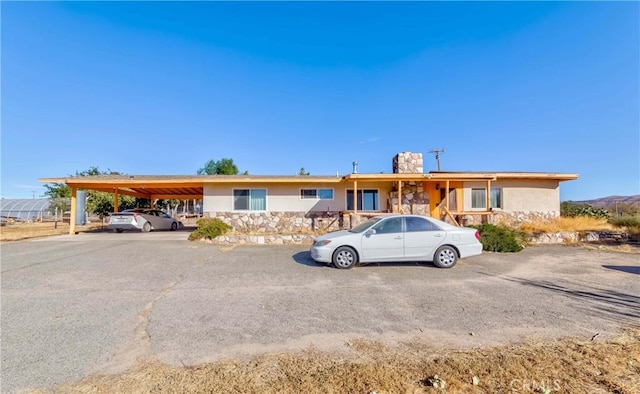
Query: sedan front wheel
[(344, 257), (445, 257)]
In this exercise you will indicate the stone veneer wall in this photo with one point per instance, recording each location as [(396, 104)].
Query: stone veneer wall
[(408, 163), (283, 222), (511, 219), (273, 239), (414, 199), (519, 217)]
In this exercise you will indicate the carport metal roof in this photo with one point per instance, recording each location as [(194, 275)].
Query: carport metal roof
[(175, 186), (192, 186)]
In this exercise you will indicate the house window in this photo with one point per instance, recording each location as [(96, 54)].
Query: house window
[(250, 199), (367, 200), (479, 198), (312, 194), (496, 198)]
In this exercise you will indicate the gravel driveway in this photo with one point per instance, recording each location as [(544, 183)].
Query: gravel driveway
[(73, 306)]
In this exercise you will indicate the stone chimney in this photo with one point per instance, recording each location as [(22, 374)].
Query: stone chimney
[(408, 163)]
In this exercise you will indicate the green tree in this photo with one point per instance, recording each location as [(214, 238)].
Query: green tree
[(221, 167), (302, 171), (99, 203), (61, 204), (61, 190)]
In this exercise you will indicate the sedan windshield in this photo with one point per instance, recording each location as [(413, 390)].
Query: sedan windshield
[(365, 225)]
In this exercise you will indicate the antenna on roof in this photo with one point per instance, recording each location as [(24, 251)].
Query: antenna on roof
[(437, 153)]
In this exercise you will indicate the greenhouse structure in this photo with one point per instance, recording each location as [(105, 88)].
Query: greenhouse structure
[(27, 209)]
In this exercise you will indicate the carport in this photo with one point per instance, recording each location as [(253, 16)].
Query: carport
[(151, 187)]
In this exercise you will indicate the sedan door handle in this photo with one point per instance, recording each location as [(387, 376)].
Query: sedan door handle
[(437, 235), (398, 237)]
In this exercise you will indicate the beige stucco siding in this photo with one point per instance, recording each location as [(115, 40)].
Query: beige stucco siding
[(286, 197), (521, 195)]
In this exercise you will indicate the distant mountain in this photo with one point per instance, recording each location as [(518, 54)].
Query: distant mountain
[(610, 202)]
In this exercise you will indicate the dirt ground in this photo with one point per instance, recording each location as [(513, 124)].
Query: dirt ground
[(150, 312), (21, 231), (563, 366)]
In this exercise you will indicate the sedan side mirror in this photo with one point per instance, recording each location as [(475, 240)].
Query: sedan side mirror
[(370, 232)]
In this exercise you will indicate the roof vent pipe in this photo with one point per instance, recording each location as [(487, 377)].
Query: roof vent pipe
[(355, 167)]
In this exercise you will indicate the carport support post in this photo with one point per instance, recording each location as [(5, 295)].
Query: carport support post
[(488, 195), (446, 196), (152, 202), (74, 203), (399, 198), (115, 201), (355, 197)]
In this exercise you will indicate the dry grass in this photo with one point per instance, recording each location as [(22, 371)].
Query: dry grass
[(16, 232), (560, 224), (568, 366)]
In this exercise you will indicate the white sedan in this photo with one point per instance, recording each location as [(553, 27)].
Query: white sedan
[(142, 219), (397, 238)]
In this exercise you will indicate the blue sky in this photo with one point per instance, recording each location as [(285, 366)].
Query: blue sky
[(160, 88)]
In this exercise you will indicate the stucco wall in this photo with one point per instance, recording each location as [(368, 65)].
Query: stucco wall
[(286, 197), (521, 195)]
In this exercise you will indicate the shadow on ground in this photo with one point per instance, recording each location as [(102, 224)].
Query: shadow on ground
[(304, 258), (624, 268), (614, 305)]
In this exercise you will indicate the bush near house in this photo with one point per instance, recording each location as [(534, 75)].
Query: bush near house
[(209, 228), (572, 209), (500, 238), (630, 222)]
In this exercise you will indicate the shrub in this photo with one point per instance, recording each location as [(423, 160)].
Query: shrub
[(631, 222), (571, 209), (499, 238), (209, 228)]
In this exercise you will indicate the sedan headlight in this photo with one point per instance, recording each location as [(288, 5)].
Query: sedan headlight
[(322, 243)]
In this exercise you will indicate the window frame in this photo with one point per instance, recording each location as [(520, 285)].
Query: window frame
[(233, 200), (484, 198), (377, 202), (499, 199), (317, 194)]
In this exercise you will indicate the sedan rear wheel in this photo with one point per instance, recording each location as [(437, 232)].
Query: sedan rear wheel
[(344, 257), (445, 257), (119, 230), (146, 227)]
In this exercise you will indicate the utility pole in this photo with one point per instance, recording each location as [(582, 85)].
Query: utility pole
[(437, 153)]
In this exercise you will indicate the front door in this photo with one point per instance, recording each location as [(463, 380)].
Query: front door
[(387, 244)]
